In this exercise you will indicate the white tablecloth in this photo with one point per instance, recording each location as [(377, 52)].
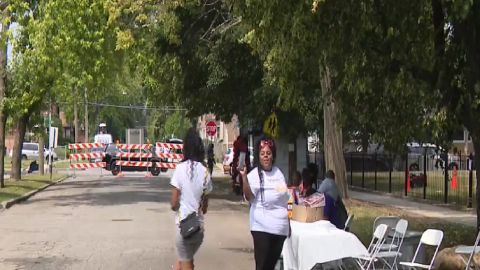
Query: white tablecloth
[(318, 242)]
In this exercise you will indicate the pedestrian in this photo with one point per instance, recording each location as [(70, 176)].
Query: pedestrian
[(210, 158), (265, 188), (309, 196), (329, 186), (239, 146), (190, 183)]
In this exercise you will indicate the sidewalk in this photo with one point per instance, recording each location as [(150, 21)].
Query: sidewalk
[(468, 218)]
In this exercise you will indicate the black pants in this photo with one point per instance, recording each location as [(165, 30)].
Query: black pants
[(267, 248)]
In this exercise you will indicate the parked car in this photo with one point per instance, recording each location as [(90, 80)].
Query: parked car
[(111, 157), (31, 151)]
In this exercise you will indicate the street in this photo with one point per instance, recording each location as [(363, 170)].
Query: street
[(107, 222)]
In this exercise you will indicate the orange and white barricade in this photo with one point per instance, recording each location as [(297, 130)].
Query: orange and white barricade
[(161, 153), (85, 156), (124, 158)]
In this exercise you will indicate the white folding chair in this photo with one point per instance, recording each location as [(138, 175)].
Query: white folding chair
[(378, 239), (393, 251), (469, 250), (391, 221), (348, 222), (429, 237)]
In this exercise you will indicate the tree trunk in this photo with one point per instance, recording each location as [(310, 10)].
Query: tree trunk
[(476, 147), (76, 123), (333, 137), (3, 89), (20, 129), (86, 117), (41, 154)]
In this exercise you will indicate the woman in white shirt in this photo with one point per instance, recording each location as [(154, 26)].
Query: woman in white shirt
[(190, 183), (266, 190)]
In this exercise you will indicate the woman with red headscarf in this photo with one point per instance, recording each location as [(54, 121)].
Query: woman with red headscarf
[(266, 189)]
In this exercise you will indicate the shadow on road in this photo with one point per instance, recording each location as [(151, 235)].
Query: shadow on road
[(105, 192)]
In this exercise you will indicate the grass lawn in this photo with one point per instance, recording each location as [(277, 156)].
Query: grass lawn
[(365, 213), (8, 163), (14, 189)]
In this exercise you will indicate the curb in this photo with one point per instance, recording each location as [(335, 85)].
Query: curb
[(7, 204)]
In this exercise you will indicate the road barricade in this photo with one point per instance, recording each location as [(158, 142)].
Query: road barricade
[(164, 151), (76, 156)]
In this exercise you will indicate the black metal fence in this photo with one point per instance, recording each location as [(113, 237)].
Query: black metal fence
[(447, 179)]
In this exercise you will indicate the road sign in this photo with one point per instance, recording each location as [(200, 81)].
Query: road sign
[(270, 127), (211, 128), (53, 137)]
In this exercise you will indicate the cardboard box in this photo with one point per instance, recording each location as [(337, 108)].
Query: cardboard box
[(306, 214)]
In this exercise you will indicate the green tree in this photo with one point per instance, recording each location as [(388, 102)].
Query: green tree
[(176, 125), (5, 19)]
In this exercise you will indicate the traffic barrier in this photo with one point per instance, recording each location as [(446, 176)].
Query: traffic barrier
[(86, 156), (135, 155), (83, 156), (169, 145), (77, 146), (174, 156), (166, 165), (128, 163), (133, 146), (124, 159), (88, 165)]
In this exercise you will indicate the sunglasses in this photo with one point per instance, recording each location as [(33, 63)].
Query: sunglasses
[(267, 142)]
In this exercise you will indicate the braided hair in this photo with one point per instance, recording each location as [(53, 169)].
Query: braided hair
[(193, 150)]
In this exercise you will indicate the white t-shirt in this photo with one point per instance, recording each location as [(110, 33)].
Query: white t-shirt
[(191, 184), (271, 215)]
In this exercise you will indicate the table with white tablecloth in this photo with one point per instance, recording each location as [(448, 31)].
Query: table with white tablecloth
[(318, 242)]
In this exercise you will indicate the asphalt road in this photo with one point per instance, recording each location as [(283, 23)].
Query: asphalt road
[(93, 222)]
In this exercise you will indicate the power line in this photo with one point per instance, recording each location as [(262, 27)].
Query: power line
[(138, 107)]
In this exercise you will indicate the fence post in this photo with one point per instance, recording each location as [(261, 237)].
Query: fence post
[(363, 169), (351, 169), (375, 166), (406, 175), (390, 176), (425, 175), (445, 198)]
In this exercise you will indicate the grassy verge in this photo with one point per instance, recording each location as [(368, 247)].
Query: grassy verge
[(365, 213), (8, 163), (15, 189)]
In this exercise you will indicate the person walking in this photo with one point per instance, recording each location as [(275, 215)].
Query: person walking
[(266, 189), (191, 182), (210, 158)]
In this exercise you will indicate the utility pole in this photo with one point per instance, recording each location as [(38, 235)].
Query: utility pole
[(86, 115), (50, 140)]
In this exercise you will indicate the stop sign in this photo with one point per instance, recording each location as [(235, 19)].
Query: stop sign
[(211, 128)]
